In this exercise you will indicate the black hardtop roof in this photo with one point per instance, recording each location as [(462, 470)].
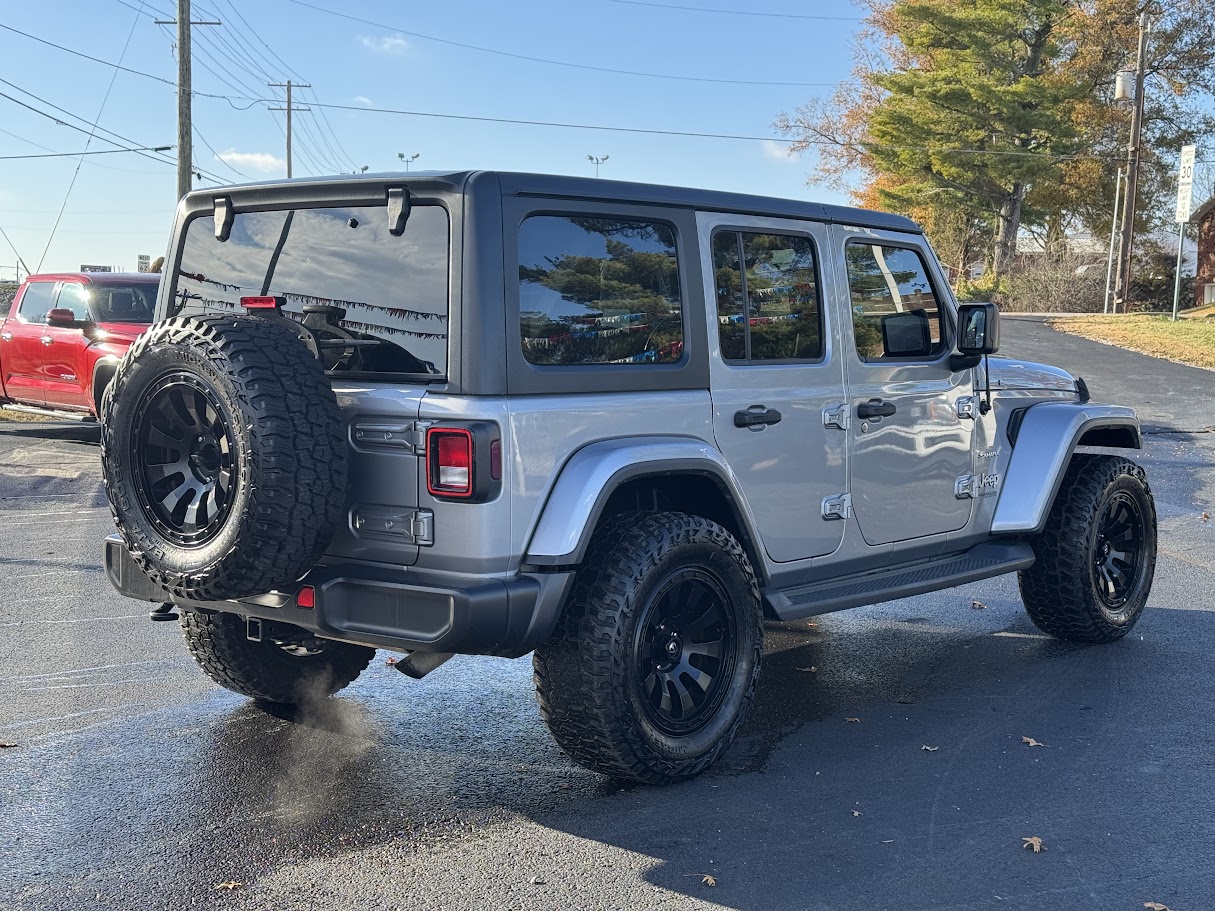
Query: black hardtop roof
[(522, 184)]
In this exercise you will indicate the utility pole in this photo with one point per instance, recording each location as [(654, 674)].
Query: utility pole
[(185, 144), (1122, 287), (288, 86)]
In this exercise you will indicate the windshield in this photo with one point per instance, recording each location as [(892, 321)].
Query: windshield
[(343, 261)]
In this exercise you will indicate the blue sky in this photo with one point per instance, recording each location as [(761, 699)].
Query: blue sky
[(122, 204)]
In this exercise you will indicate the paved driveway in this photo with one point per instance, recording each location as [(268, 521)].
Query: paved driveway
[(134, 783)]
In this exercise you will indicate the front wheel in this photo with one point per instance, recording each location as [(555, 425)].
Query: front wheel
[(1097, 554), (653, 666), (289, 668)]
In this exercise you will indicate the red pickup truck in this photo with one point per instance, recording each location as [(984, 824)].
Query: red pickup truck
[(64, 335)]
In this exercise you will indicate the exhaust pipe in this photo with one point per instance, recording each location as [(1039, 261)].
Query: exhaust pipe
[(418, 664)]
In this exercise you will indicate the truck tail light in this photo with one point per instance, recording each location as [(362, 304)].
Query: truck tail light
[(262, 303), (451, 465)]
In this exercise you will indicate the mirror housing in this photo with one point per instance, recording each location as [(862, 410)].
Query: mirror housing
[(978, 329), (63, 318)]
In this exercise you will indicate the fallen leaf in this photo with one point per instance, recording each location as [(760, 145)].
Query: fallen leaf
[(929, 749), (807, 670), (229, 886), (537, 881), (1156, 906), (852, 720), (391, 662), (856, 813), (977, 605), (1031, 742), (1206, 517), (706, 879), (1034, 842)]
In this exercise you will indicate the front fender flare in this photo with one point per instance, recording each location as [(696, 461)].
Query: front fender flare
[(1048, 436), (591, 475)]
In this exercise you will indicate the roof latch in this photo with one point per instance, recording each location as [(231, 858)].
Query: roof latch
[(398, 210)]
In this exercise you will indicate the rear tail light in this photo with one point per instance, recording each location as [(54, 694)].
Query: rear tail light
[(464, 462), (262, 303), (450, 462)]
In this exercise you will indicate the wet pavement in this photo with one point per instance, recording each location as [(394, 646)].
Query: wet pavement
[(133, 782)]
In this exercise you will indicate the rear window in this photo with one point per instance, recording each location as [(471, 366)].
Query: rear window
[(599, 291), (338, 265)]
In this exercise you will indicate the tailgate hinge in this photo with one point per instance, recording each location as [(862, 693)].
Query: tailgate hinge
[(376, 435)]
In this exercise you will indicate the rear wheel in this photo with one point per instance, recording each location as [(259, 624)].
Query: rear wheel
[(1097, 554), (289, 667), (652, 668)]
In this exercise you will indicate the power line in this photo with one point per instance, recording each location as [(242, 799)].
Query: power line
[(702, 135), (75, 174), (15, 253), (199, 136), (74, 154), (738, 12), (564, 63), (127, 69)]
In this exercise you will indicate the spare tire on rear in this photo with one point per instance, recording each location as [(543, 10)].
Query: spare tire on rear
[(224, 456)]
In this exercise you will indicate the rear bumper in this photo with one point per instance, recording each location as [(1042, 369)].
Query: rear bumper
[(399, 609)]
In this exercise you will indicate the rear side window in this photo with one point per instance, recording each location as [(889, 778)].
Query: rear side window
[(895, 311), (376, 287), (599, 291), (36, 302), (767, 310)]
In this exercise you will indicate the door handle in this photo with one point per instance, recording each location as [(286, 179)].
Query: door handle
[(47, 340), (756, 415), (6, 336), (875, 408)]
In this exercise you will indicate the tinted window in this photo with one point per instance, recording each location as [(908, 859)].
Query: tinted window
[(36, 302), (121, 303), (769, 311), (599, 291), (74, 297), (385, 288), (893, 302)]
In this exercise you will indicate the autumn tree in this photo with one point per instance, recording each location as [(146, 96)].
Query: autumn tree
[(984, 117)]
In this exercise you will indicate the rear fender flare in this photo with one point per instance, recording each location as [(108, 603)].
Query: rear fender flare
[(103, 372), (593, 473), (1048, 436)]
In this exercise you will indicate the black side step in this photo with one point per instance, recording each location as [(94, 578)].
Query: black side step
[(980, 562)]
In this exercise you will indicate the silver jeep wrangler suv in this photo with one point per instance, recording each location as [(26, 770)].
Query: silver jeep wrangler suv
[(615, 425)]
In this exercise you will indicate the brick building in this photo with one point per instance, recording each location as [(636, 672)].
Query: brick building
[(1204, 276)]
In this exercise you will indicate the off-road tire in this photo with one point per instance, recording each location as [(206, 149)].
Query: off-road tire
[(1061, 591), (264, 670), (287, 444), (587, 679)]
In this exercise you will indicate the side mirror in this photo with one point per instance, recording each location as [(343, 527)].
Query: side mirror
[(63, 318), (978, 334), (906, 334), (978, 329)]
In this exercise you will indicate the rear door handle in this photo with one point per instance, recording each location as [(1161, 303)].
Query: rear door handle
[(755, 416), (875, 408), (47, 340), (6, 336)]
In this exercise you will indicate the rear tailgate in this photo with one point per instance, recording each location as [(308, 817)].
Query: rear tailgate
[(383, 520)]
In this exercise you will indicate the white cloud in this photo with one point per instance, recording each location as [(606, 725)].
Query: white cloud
[(777, 151), (255, 161), (395, 45), (362, 100)]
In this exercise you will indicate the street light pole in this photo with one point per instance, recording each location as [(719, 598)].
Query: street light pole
[(408, 160), (1122, 287), (598, 161)]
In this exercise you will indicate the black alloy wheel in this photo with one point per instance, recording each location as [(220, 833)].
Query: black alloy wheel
[(1118, 554), (684, 651), (185, 457)]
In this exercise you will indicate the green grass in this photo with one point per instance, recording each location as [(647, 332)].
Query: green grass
[(1187, 341)]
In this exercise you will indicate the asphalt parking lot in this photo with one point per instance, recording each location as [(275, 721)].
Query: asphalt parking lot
[(128, 780)]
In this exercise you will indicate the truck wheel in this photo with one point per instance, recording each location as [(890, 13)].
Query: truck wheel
[(224, 457), (1096, 555), (290, 671), (653, 665)]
